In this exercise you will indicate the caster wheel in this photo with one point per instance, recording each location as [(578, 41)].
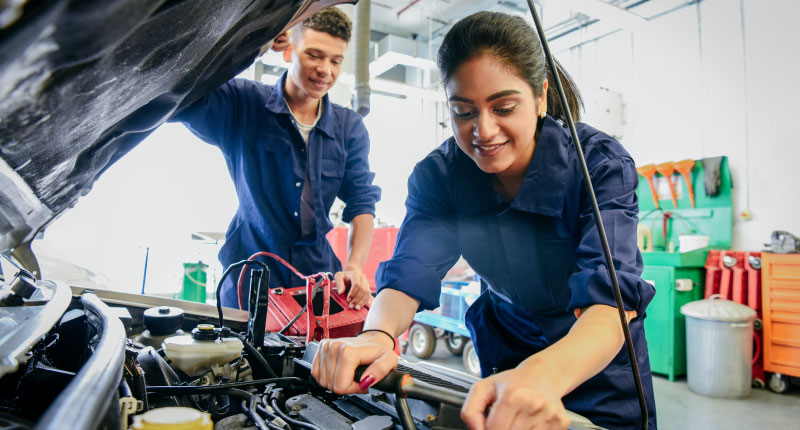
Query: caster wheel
[(455, 343), (778, 383), (470, 358), (421, 340)]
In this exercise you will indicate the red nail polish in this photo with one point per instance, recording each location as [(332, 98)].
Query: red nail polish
[(366, 382)]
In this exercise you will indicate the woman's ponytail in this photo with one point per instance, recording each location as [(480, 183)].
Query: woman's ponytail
[(574, 99)]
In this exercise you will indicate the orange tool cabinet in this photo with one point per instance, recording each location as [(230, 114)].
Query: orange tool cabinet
[(781, 312)]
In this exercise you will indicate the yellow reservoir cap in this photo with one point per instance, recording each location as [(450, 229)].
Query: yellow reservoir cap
[(173, 418)]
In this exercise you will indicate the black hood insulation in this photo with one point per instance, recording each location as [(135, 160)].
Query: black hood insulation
[(83, 82)]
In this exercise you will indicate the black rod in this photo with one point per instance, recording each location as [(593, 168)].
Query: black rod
[(598, 220)]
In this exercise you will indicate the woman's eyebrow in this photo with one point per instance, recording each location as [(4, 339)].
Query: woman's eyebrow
[(495, 96), (500, 94)]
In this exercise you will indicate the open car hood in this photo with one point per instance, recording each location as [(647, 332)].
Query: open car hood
[(83, 82)]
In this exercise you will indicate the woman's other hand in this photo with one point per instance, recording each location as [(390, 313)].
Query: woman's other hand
[(337, 359), (516, 399)]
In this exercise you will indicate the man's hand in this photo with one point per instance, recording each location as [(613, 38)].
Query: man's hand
[(281, 42), (358, 284)]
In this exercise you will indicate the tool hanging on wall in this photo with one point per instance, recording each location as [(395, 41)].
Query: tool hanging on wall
[(648, 172), (667, 169), (684, 167)]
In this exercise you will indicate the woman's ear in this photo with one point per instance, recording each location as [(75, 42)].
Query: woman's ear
[(542, 102)]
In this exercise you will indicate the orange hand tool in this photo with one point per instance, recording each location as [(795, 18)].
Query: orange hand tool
[(667, 169), (684, 167), (648, 172)]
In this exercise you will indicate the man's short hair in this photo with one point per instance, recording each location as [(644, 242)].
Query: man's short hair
[(330, 20)]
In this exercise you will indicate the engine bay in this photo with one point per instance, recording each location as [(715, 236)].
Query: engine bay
[(79, 358)]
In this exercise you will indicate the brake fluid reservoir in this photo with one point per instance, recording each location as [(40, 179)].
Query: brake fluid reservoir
[(195, 354)]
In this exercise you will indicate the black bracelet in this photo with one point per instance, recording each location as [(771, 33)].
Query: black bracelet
[(394, 341)]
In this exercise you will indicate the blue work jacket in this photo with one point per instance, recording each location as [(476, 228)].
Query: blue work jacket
[(540, 255), (266, 157)]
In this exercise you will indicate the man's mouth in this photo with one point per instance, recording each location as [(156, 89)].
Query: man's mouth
[(320, 85)]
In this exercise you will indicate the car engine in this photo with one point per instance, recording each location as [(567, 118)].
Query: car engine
[(77, 358)]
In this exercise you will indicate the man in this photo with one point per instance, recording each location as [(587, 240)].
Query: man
[(290, 153)]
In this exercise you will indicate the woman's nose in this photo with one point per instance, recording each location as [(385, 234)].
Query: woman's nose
[(485, 128)]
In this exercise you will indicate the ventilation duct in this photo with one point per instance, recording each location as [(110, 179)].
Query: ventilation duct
[(361, 41)]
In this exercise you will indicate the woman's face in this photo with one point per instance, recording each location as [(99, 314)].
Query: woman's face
[(494, 114)]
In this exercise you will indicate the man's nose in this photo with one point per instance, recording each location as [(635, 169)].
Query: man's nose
[(324, 69)]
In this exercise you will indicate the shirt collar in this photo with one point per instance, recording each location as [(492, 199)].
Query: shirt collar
[(543, 188), (276, 104)]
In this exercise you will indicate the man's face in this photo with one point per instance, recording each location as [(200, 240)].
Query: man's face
[(316, 59)]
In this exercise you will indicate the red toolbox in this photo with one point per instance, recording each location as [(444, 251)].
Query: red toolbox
[(736, 276)]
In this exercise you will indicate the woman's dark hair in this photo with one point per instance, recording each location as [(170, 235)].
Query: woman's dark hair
[(512, 41)]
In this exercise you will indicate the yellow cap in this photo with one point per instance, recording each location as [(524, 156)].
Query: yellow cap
[(173, 418), (205, 327)]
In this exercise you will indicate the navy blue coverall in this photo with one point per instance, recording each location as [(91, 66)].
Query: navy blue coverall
[(266, 157), (540, 255)]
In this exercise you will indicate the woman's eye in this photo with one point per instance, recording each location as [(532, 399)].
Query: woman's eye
[(463, 115), (505, 110)]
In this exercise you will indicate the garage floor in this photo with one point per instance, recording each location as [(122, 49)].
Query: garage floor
[(679, 408)]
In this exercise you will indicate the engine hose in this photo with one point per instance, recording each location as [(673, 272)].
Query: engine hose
[(141, 391), (294, 422), (250, 408), (183, 390), (253, 352)]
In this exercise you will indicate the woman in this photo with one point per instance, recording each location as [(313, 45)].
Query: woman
[(507, 194)]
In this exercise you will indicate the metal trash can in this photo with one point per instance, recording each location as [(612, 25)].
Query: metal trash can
[(719, 347)]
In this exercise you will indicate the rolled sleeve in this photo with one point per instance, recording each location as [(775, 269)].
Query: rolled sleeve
[(427, 243), (357, 191), (615, 181)]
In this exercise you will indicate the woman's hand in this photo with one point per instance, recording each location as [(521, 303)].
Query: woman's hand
[(337, 359), (515, 399), (360, 294)]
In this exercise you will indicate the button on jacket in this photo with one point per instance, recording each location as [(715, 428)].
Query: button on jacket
[(540, 255), (266, 157)]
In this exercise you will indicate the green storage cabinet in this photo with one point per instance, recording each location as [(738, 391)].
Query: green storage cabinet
[(665, 326), (712, 216)]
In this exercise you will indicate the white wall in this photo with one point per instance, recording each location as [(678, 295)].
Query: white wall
[(686, 96)]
